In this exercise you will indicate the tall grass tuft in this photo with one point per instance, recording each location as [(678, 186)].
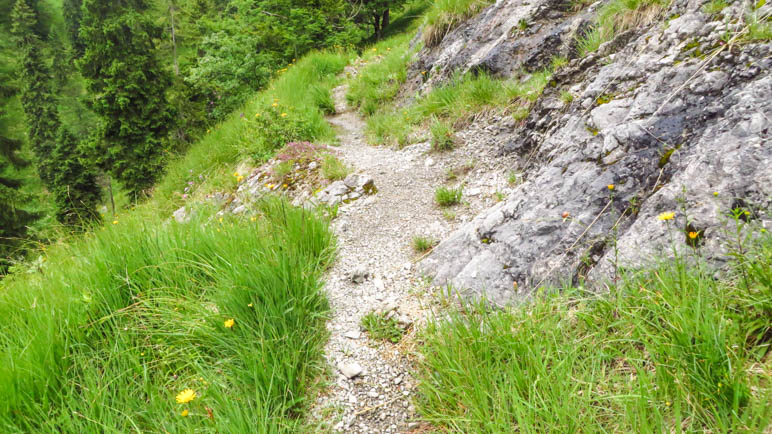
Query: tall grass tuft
[(119, 322), (444, 15)]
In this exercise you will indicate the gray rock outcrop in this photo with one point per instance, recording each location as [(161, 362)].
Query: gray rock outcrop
[(670, 128)]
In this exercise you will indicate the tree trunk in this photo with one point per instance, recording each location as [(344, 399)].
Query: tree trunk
[(385, 20), (377, 26)]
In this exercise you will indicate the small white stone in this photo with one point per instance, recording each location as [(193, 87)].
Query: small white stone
[(429, 162), (350, 370)]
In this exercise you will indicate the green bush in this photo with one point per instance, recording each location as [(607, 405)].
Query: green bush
[(423, 244)]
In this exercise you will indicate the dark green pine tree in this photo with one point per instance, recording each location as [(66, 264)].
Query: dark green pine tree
[(13, 218), (36, 99), (71, 9), (128, 90), (60, 163), (76, 191)]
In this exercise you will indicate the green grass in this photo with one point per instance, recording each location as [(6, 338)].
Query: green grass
[(423, 244), (301, 93), (617, 16), (714, 6), (442, 135), (334, 169), (381, 328), (669, 349), (444, 15), (759, 28), (456, 101), (379, 82), (118, 322), (446, 197)]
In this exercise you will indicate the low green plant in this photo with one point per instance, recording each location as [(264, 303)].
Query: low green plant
[(714, 6), (759, 28), (449, 215), (423, 244), (446, 197), (566, 96), (334, 169), (668, 348), (521, 113), (381, 328), (442, 135), (514, 178)]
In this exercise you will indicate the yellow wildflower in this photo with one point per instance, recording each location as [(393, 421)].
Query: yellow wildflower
[(257, 115), (275, 105), (236, 174), (253, 218), (667, 403), (668, 215), (115, 222), (715, 193), (184, 413), (239, 179), (249, 305), (692, 235), (220, 219), (186, 396), (423, 72), (283, 114), (285, 185), (611, 187), (229, 323)]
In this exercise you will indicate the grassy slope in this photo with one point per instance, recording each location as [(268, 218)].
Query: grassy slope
[(117, 322), (668, 349)]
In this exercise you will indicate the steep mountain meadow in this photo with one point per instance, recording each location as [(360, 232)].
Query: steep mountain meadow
[(220, 321), (106, 329)]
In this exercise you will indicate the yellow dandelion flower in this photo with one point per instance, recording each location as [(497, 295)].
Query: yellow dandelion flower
[(186, 396), (611, 187), (236, 174), (715, 193), (275, 105), (115, 222), (184, 413), (239, 179), (285, 185), (667, 403), (249, 305), (257, 115), (208, 131), (375, 49), (220, 219), (668, 215), (253, 219), (229, 323), (423, 72), (283, 114), (692, 235)]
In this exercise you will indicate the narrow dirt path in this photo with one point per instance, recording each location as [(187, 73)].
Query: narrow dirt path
[(374, 235)]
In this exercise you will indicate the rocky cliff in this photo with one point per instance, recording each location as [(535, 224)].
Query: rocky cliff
[(672, 115)]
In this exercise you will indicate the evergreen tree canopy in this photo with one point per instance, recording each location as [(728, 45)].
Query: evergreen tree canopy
[(128, 90)]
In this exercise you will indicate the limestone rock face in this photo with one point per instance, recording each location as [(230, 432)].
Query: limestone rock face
[(668, 129)]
